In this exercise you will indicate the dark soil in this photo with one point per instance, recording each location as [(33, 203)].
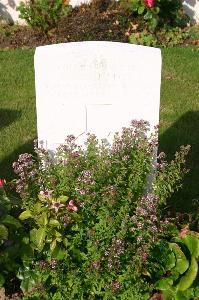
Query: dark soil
[(87, 22), (15, 296), (102, 20)]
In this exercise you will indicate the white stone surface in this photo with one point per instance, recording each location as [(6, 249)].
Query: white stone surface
[(78, 2), (191, 8), (9, 13), (96, 87)]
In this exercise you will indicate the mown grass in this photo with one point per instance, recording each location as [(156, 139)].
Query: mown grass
[(179, 113), (17, 106)]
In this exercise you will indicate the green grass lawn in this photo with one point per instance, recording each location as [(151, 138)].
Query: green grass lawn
[(179, 114)]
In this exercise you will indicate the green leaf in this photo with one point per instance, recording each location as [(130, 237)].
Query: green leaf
[(27, 284), (58, 235), (192, 243), (66, 242), (169, 294), (197, 291), (2, 280), (185, 295), (141, 10), (54, 222), (164, 284), (171, 261), (182, 263), (189, 277), (156, 9), (25, 215), (59, 253), (75, 227), (153, 25), (37, 237), (132, 39), (43, 198), (53, 245), (42, 220), (9, 220), (26, 240), (3, 232), (38, 207), (27, 253)]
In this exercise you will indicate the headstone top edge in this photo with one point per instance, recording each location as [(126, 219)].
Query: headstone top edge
[(101, 44)]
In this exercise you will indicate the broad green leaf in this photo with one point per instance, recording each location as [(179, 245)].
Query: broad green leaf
[(169, 294), (185, 295), (164, 284), (9, 220), (192, 243), (3, 232), (25, 215), (59, 253), (42, 220), (38, 207), (182, 263), (37, 237), (54, 222), (53, 245), (171, 261), (189, 277), (58, 234), (33, 236)]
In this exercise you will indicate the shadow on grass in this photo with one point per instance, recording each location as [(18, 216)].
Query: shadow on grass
[(8, 116), (184, 131), (6, 170)]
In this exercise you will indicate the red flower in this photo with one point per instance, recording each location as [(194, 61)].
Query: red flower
[(2, 182), (72, 206), (149, 3)]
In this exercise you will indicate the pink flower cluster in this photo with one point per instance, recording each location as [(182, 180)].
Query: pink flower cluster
[(71, 206), (149, 3)]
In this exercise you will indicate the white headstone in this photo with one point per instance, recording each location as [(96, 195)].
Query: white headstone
[(191, 8), (96, 87)]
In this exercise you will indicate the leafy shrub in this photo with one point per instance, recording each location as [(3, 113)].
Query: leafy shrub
[(92, 215), (10, 228), (43, 15), (156, 12), (181, 282), (143, 38), (166, 37)]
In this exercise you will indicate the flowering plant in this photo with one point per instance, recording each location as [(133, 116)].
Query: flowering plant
[(156, 12), (94, 214), (149, 3), (2, 183)]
